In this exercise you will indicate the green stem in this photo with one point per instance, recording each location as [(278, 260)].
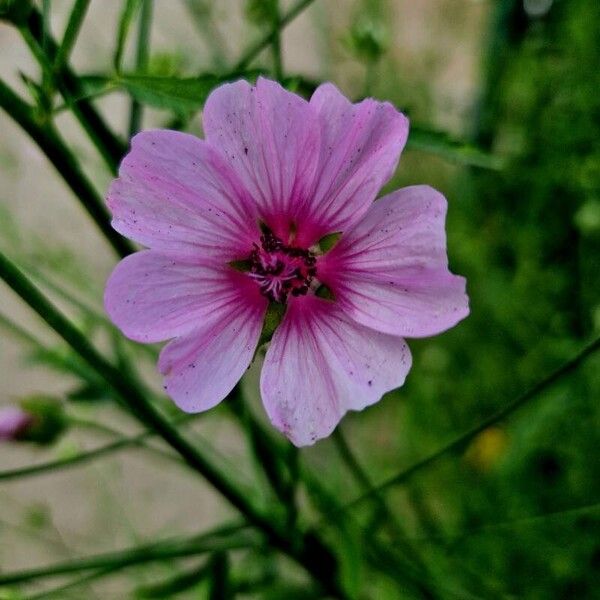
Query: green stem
[(224, 538), (365, 483), (110, 146), (311, 553), (403, 573), (74, 583), (72, 461), (142, 53), (543, 518), (71, 33), (462, 440), (399, 535), (46, 80), (106, 430), (276, 46), (257, 47), (45, 135)]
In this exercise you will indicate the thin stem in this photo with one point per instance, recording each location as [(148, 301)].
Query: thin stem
[(45, 135), (71, 32), (45, 25), (530, 520), (71, 461), (403, 573), (462, 440), (18, 331), (223, 538), (257, 47), (111, 148), (311, 553), (364, 482), (74, 583), (106, 430), (141, 62), (276, 46)]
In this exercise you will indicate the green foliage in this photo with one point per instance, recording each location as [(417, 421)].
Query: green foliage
[(368, 40), (49, 419)]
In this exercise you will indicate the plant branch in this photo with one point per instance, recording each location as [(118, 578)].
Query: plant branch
[(307, 550), (223, 538), (109, 145), (141, 66), (71, 32), (45, 135), (462, 440), (257, 47)]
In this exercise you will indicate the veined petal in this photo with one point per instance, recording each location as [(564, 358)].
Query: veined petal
[(271, 138), (320, 364), (390, 271), (360, 147), (203, 366), (176, 194), (152, 297)]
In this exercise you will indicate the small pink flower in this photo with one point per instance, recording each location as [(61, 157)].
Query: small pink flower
[(14, 422), (233, 223)]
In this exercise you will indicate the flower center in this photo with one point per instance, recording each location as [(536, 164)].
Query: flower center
[(280, 270)]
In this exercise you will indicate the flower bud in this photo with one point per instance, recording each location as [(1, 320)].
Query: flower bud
[(14, 422), (38, 419)]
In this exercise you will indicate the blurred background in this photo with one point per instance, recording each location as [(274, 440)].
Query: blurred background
[(503, 97)]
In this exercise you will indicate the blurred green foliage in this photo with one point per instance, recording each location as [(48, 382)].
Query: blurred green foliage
[(528, 241)]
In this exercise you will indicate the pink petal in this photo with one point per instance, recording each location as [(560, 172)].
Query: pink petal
[(360, 147), (176, 194), (320, 364), (152, 297), (390, 271), (13, 422), (271, 138), (203, 366)]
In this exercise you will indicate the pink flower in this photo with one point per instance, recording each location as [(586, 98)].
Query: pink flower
[(234, 222), (13, 423)]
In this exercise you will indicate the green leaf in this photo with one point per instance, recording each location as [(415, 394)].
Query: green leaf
[(440, 143), (176, 94), (89, 393)]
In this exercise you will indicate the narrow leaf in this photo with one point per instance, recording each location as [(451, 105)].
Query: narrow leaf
[(141, 63), (176, 94), (71, 32), (440, 143), (127, 15)]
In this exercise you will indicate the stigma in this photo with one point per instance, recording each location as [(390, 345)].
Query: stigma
[(281, 270)]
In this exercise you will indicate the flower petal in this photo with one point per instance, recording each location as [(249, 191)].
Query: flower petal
[(390, 271), (320, 364), (152, 297), (175, 193), (271, 138), (360, 147), (202, 367), (13, 422)]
